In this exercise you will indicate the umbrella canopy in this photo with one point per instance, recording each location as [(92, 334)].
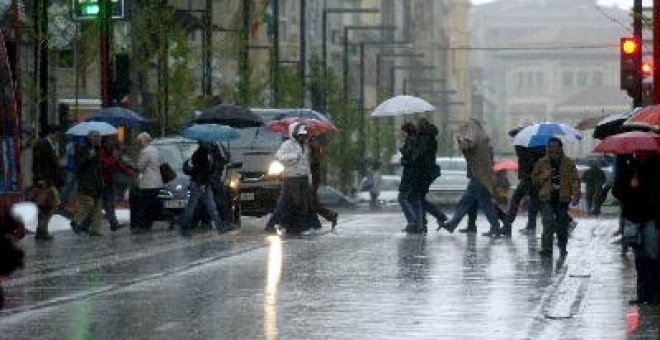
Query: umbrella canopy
[(231, 115), (647, 117), (590, 122), (506, 164), (539, 134), (314, 126), (210, 133), (116, 116), (84, 128), (402, 105), (630, 142), (302, 113), (611, 125)]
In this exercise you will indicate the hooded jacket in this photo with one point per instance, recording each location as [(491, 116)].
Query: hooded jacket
[(293, 155), (427, 148), (569, 185)]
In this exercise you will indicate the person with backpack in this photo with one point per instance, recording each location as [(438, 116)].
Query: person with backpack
[(200, 169)]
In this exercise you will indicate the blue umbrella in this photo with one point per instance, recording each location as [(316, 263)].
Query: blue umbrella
[(302, 113), (539, 134), (84, 128), (210, 133), (118, 116)]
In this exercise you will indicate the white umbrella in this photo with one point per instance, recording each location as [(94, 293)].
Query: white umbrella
[(402, 105)]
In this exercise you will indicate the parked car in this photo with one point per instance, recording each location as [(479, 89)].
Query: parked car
[(332, 197), (452, 183), (389, 191), (174, 195)]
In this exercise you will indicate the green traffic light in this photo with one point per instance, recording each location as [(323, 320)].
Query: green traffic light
[(90, 9)]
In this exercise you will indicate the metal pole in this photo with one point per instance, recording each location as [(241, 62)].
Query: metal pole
[(244, 74), (345, 68), (361, 128), (104, 52), (207, 52), (324, 52), (656, 51), (275, 63), (303, 52), (637, 33), (76, 65)]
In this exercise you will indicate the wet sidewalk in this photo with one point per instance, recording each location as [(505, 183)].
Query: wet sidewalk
[(367, 281)]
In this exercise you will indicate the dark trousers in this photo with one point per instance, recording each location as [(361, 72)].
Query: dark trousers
[(318, 207), (472, 216), (108, 204), (475, 194), (294, 209), (432, 209), (145, 207), (523, 189), (555, 220)]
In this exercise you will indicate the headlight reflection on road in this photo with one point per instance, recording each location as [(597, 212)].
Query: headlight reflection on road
[(274, 271)]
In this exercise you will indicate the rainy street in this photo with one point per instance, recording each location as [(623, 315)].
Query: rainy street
[(365, 281)]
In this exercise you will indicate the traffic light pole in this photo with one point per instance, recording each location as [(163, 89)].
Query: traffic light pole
[(105, 18), (637, 33), (656, 49)]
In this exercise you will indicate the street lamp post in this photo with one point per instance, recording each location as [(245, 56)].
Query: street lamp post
[(324, 42)]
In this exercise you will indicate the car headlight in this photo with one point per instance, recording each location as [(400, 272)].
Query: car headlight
[(233, 183), (275, 168)]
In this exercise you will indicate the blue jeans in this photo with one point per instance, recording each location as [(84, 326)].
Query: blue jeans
[(475, 193), (108, 204), (201, 194), (411, 205)]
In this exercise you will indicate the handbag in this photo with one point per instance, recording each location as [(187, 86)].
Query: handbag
[(167, 173)]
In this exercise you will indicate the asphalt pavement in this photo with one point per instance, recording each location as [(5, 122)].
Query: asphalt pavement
[(365, 281)]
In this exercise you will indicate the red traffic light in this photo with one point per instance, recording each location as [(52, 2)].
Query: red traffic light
[(647, 68), (629, 45)]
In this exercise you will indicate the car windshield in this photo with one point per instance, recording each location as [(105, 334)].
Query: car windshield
[(175, 153), (254, 137)]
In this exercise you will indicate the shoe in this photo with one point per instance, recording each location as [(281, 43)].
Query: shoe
[(270, 230), (506, 230), (545, 253), (412, 229), (116, 227), (449, 227), (44, 237), (94, 233), (491, 233), (468, 230)]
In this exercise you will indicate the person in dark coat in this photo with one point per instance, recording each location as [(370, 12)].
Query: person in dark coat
[(409, 198), (90, 187), (11, 230), (527, 157), (200, 169), (47, 173), (220, 158), (636, 188), (429, 170)]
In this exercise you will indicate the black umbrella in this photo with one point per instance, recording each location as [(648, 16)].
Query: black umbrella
[(231, 115), (612, 125)]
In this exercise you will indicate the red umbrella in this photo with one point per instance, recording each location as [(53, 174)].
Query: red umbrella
[(314, 126), (506, 165), (630, 142), (647, 117)]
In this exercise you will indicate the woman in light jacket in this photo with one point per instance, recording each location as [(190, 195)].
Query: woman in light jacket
[(144, 202)]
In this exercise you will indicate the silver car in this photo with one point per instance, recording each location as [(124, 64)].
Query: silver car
[(452, 183)]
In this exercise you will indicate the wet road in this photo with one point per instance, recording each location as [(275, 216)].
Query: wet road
[(367, 281)]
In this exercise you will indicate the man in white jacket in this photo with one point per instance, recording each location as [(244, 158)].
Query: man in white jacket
[(294, 210)]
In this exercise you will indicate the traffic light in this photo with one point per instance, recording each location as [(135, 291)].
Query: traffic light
[(82, 10), (631, 55), (647, 69)]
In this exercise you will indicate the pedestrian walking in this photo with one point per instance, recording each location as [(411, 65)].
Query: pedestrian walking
[(429, 170), (293, 210), (317, 153), (556, 178), (70, 176), (144, 203), (200, 169), (594, 179), (219, 159), (527, 157), (373, 184), (409, 198), (636, 188), (47, 174), (90, 187), (478, 153), (110, 167)]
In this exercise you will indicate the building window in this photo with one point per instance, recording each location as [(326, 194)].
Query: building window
[(521, 80), (539, 79), (597, 78), (582, 78), (567, 79)]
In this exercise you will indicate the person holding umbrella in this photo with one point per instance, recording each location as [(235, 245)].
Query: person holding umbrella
[(556, 178), (90, 186)]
